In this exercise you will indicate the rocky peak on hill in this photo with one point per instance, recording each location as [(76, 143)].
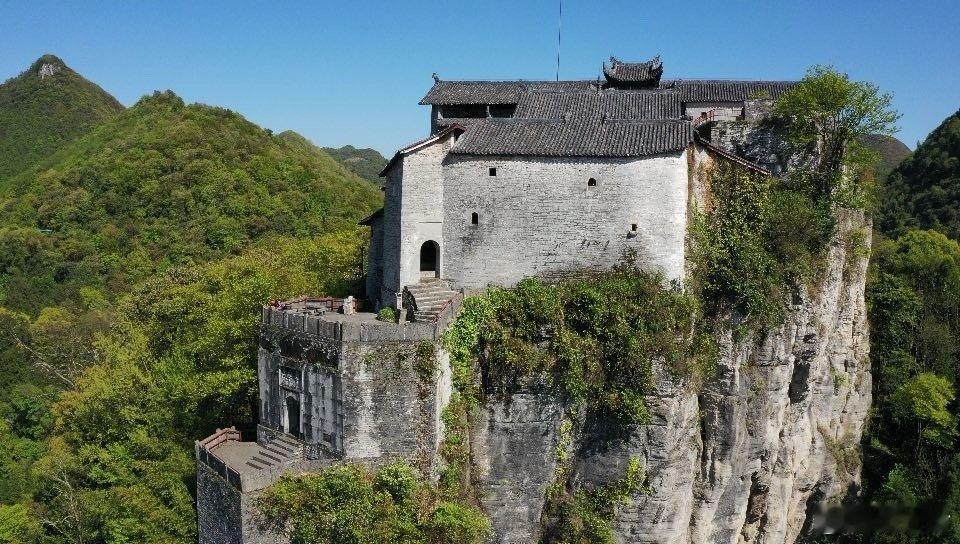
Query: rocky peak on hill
[(48, 66), (45, 108)]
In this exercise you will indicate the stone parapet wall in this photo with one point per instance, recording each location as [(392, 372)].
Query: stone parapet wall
[(336, 331)]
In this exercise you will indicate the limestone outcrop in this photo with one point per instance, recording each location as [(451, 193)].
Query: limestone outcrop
[(743, 459)]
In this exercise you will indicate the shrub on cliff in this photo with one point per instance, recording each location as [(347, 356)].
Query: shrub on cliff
[(592, 341), (347, 504)]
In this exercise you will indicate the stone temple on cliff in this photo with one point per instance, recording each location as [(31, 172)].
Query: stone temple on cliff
[(515, 179), (537, 178)]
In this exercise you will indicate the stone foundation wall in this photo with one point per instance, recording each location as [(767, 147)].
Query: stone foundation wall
[(219, 517)]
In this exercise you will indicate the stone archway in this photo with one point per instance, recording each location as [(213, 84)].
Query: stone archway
[(430, 260)]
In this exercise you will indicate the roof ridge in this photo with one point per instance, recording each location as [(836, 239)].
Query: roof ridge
[(517, 81), (727, 80)]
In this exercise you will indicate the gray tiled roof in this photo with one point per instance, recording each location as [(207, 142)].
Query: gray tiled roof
[(580, 138), (641, 105), (451, 93), (636, 73), (719, 90)]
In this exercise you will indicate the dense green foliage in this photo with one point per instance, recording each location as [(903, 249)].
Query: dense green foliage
[(828, 115), (346, 504), (163, 184), (590, 341), (39, 115), (912, 454), (924, 190), (179, 362), (762, 239), (584, 517), (366, 163)]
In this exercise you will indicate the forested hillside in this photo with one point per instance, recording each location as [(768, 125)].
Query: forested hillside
[(924, 190), (134, 254), (911, 453), (163, 184), (44, 108)]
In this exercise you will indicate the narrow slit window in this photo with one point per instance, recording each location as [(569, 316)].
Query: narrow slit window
[(591, 182), (474, 218), (493, 171)]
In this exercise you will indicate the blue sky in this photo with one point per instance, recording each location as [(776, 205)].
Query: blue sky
[(353, 72)]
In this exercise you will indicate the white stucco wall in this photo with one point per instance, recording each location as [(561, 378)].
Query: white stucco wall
[(413, 214), (538, 216), (390, 248), (422, 206)]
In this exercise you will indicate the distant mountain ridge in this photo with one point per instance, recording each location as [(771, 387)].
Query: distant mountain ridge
[(364, 162), (157, 185), (892, 152), (44, 108)]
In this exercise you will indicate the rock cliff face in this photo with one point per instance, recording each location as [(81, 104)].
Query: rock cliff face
[(771, 436)]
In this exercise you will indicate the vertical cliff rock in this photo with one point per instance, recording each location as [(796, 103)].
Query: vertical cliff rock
[(744, 459)]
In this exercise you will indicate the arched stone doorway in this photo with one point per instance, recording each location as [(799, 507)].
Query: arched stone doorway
[(293, 416), (430, 260)]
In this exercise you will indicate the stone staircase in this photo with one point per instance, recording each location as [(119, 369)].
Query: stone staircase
[(429, 296), (280, 451)]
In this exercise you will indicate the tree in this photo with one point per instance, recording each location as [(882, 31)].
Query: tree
[(830, 114), (923, 401)]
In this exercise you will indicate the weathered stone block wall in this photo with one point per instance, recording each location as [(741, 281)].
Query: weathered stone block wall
[(413, 214), (219, 512), (375, 263), (393, 193), (317, 390), (392, 403), (366, 394), (539, 216)]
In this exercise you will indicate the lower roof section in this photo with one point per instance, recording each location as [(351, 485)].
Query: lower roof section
[(560, 138)]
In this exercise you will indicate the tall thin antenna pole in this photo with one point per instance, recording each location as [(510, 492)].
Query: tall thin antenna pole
[(559, 28)]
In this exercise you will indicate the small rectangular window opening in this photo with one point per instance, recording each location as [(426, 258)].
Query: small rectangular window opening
[(633, 227), (474, 218), (493, 171)]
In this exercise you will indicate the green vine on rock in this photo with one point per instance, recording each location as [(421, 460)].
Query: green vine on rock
[(763, 238), (591, 341), (586, 516)]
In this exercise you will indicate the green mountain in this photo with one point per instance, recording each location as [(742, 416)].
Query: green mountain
[(366, 163), (160, 185), (924, 190), (891, 150), (44, 108)]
